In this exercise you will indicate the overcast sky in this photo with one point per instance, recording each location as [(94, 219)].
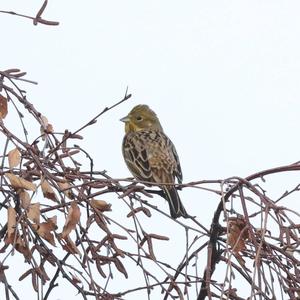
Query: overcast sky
[(223, 77)]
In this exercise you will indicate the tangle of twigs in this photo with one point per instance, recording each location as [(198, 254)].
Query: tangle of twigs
[(251, 247)]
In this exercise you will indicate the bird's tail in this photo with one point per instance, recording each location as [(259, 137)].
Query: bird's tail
[(176, 207)]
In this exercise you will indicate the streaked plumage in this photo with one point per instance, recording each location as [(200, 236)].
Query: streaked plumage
[(151, 156)]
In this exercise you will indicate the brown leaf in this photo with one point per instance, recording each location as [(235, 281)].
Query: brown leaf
[(145, 210), (3, 107), (101, 222), (238, 234), (24, 197), (34, 212), (13, 235), (12, 70), (69, 246), (20, 183), (11, 225), (120, 267), (66, 189), (241, 260), (44, 230), (14, 158), (100, 270), (21, 246), (158, 237), (21, 74), (72, 219), (40, 271), (34, 281), (24, 275), (48, 191), (101, 205)]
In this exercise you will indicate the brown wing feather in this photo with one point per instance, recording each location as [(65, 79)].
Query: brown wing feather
[(136, 157), (151, 156)]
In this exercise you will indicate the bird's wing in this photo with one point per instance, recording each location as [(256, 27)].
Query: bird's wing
[(151, 156), (136, 157)]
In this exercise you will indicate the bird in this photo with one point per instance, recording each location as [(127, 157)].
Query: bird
[(151, 156)]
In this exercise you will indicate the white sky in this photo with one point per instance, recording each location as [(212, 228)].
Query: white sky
[(223, 76)]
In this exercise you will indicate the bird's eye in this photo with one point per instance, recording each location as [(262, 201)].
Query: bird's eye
[(139, 118)]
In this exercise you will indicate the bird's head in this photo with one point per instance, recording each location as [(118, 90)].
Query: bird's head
[(141, 117)]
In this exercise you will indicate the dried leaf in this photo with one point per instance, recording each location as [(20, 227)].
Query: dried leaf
[(120, 267), (241, 261), (11, 225), (24, 197), (21, 246), (12, 70), (34, 281), (13, 235), (158, 237), (24, 275), (72, 219), (100, 270), (101, 205), (3, 107), (101, 222), (20, 183), (66, 189), (48, 191), (44, 230), (40, 271), (34, 212), (14, 158), (238, 234), (145, 210), (69, 246)]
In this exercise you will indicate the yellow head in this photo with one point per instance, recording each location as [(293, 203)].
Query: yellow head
[(141, 117)]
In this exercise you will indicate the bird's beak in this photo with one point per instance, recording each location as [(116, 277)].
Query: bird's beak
[(125, 119)]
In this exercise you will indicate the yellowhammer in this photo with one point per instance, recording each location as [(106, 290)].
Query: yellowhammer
[(151, 156)]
